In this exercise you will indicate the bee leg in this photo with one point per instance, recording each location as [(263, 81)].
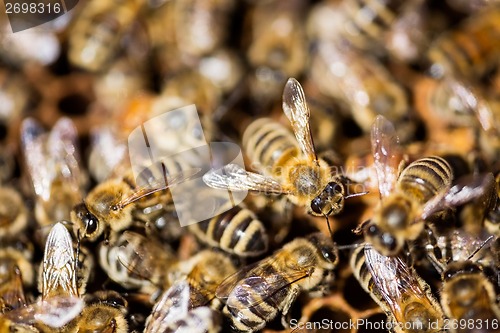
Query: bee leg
[(290, 299)]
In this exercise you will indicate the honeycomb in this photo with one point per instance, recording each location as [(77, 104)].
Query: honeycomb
[(232, 59)]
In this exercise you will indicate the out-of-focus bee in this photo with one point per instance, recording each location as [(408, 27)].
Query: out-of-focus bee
[(95, 37), (471, 6), (137, 262), (43, 316), (201, 26), (403, 295), (16, 272), (397, 26), (411, 195), (104, 311), (359, 81), (470, 50), (52, 161), (278, 47), (203, 272), (492, 220), (13, 213), (172, 313), (289, 166), (58, 271), (254, 295), (111, 203), (236, 231)]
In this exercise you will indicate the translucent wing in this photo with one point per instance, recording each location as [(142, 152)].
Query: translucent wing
[(234, 178), (58, 266), (394, 280), (157, 186), (54, 312), (32, 139), (255, 283), (466, 189), (173, 305), (386, 154), (297, 111)]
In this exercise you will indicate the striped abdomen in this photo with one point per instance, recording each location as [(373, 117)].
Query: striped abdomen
[(252, 318), (364, 277), (425, 178), (269, 144), (236, 231), (470, 50)]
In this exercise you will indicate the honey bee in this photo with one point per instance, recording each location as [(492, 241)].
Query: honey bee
[(104, 311), (360, 82), (111, 203), (467, 293), (95, 37), (492, 220), (201, 26), (43, 316), (236, 231), (203, 272), (53, 163), (16, 272), (135, 261), (172, 313), (449, 56), (13, 213), (254, 295), (278, 47), (412, 195), (290, 166), (58, 269), (403, 295)]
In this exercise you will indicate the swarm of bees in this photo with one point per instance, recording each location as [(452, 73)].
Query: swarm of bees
[(370, 132)]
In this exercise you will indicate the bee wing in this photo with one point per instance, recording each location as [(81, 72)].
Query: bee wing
[(296, 110), (394, 280), (32, 142), (254, 284), (235, 178), (157, 186), (63, 152), (54, 312), (172, 305), (466, 189), (386, 154), (58, 266)]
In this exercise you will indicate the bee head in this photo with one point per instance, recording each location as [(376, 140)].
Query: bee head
[(383, 241), (326, 247), (458, 268), (330, 201), (85, 224)]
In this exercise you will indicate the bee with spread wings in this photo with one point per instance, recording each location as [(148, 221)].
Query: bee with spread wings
[(399, 291), (255, 294), (411, 195), (290, 166)]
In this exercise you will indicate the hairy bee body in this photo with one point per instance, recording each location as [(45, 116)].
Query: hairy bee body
[(254, 297), (471, 49), (403, 295), (237, 231)]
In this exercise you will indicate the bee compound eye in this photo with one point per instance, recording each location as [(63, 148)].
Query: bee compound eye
[(91, 223), (316, 206), (389, 242), (372, 230)]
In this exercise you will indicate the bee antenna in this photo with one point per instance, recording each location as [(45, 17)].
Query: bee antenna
[(329, 227), (350, 246), (356, 194), (480, 247)]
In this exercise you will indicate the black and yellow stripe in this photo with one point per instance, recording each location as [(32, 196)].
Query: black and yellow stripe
[(425, 178), (271, 144)]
